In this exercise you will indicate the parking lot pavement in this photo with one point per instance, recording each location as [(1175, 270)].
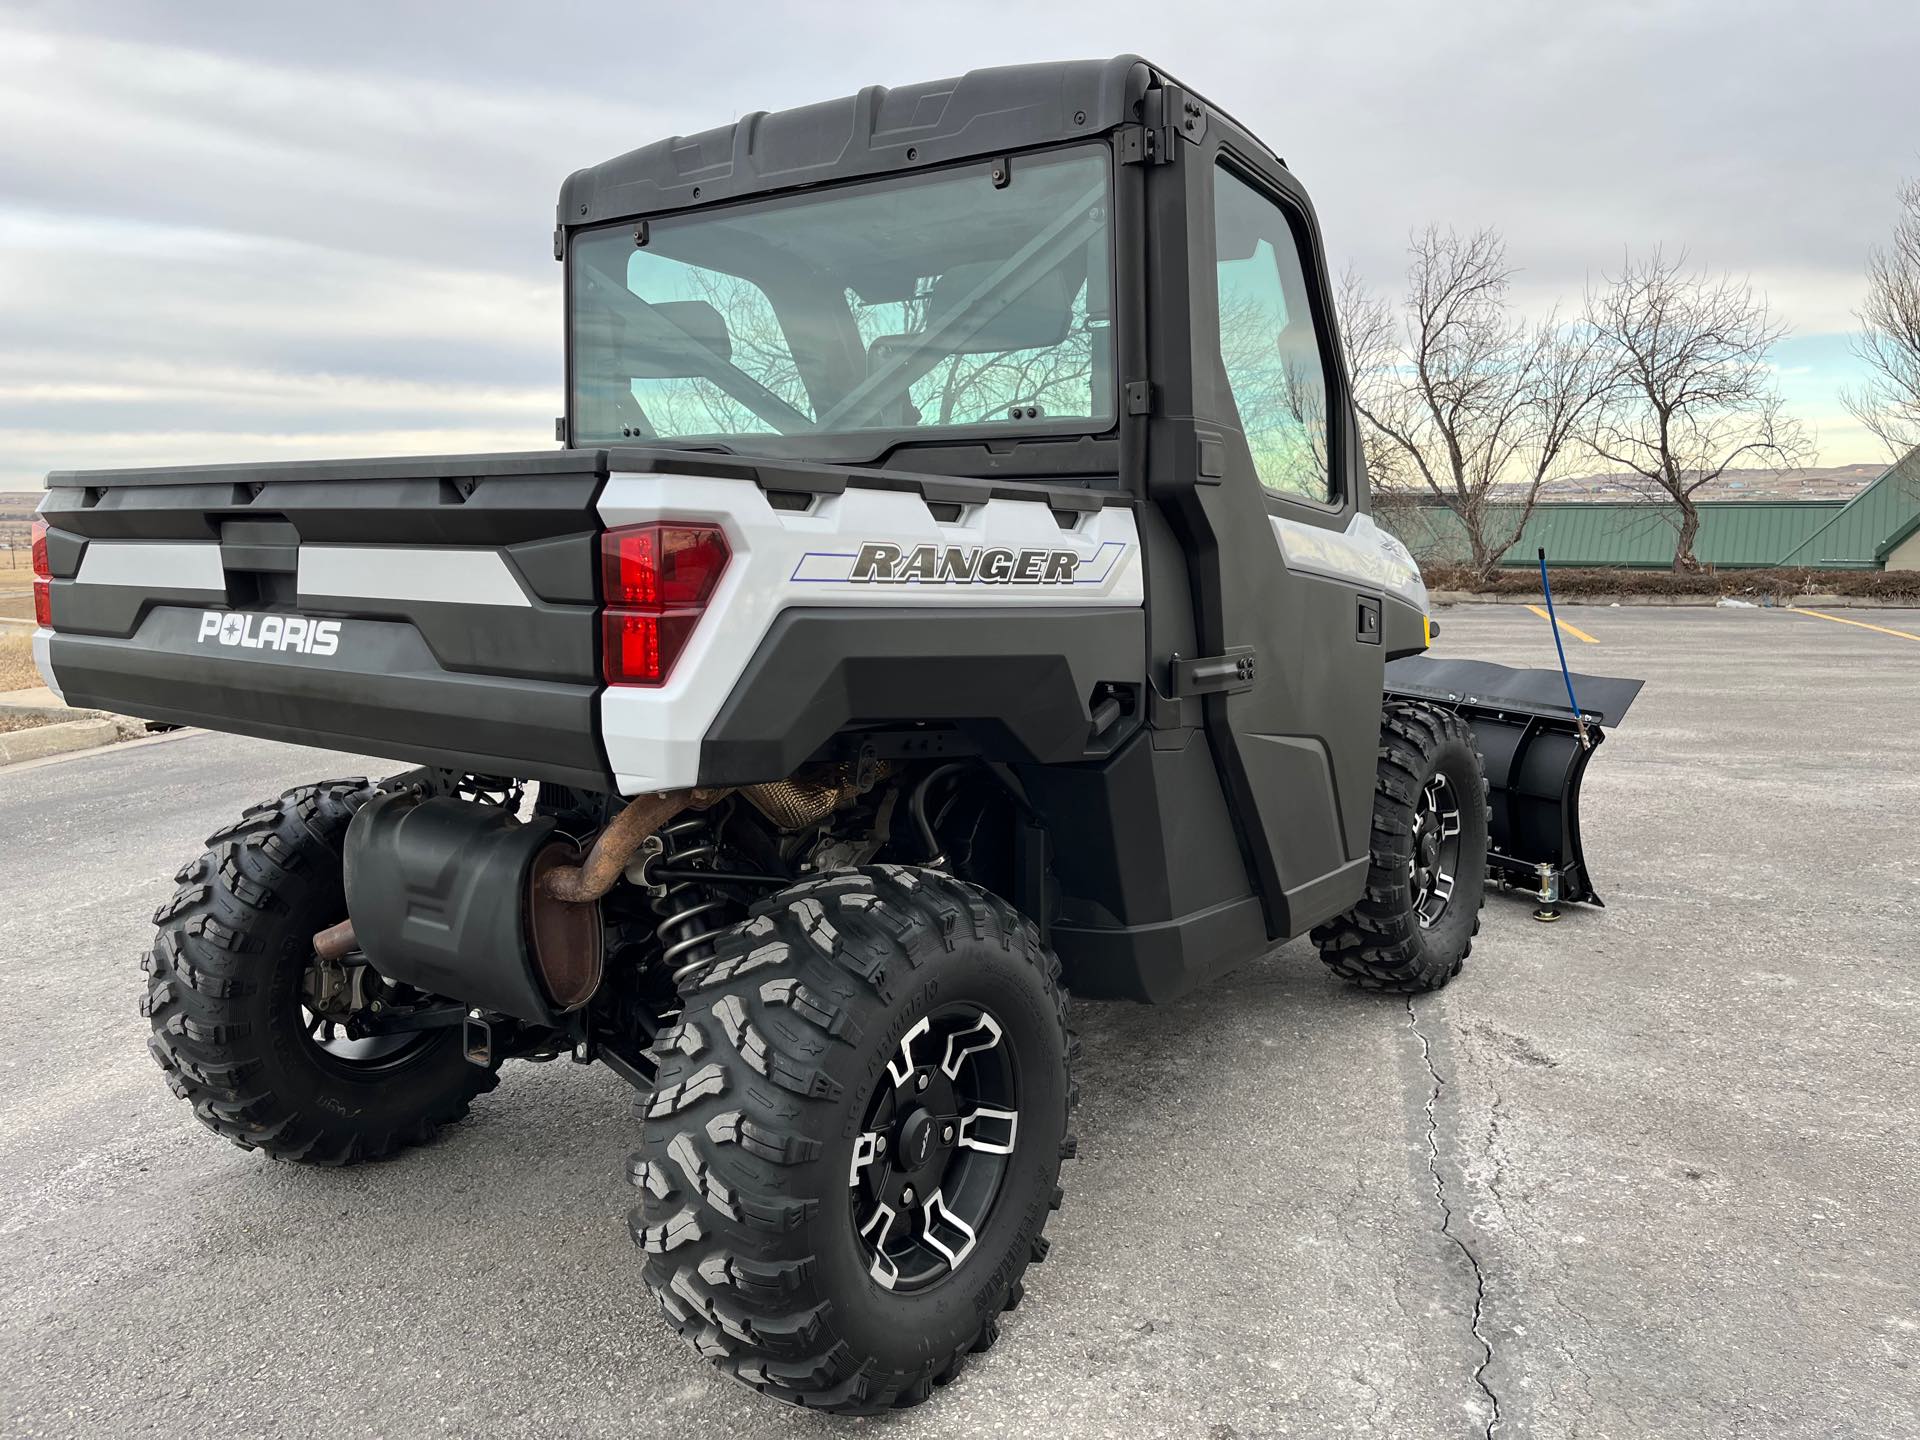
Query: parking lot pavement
[(1651, 1170)]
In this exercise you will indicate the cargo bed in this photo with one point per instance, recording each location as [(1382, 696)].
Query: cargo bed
[(448, 610)]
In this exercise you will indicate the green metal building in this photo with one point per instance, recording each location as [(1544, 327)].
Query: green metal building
[(1879, 529)]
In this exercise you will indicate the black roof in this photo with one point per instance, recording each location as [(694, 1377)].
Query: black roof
[(984, 112)]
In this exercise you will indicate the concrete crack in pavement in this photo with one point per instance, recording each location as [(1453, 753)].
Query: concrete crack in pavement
[(1434, 1087)]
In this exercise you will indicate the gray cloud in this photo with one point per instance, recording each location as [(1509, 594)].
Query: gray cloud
[(231, 229)]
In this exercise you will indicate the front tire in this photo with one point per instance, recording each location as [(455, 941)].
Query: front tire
[(855, 1136), (224, 997), (1427, 874)]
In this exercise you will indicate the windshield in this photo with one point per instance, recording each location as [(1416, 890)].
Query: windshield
[(918, 302)]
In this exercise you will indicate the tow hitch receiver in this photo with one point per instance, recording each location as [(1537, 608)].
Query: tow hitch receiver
[(479, 1039), (1530, 739)]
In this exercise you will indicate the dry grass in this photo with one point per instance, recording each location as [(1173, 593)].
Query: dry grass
[(16, 591), (16, 587), (16, 659)]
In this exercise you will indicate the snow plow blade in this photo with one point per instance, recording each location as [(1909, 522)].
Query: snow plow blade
[(1535, 762)]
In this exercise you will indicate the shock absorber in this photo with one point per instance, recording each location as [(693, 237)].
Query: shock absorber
[(688, 908)]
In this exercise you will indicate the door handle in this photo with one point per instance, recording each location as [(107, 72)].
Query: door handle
[(1368, 623), (1227, 674)]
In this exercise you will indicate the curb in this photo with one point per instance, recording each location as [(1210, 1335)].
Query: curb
[(57, 739), (115, 746), (1475, 597)]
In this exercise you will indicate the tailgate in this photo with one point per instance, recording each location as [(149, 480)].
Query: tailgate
[(437, 610)]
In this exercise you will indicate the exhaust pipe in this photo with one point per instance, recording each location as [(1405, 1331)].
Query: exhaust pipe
[(613, 847), (336, 942)]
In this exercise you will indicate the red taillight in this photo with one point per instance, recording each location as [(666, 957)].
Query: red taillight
[(42, 577), (656, 580), (641, 648), (661, 566)]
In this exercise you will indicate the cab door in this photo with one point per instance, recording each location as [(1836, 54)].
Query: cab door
[(1262, 496)]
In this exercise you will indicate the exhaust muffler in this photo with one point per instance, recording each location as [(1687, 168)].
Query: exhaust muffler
[(454, 898)]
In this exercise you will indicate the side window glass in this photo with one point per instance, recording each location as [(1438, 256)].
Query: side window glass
[(1268, 346)]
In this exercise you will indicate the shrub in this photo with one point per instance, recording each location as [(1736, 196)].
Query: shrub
[(1740, 584)]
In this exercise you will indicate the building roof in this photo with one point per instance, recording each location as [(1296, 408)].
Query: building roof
[(1734, 534), (1867, 527)]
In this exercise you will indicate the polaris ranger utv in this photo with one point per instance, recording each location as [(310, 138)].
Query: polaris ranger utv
[(955, 586)]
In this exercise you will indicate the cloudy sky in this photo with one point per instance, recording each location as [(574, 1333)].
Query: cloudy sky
[(235, 231)]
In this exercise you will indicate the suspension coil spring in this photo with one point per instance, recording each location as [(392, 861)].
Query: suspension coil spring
[(687, 925)]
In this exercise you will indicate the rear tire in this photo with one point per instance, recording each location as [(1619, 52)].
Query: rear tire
[(224, 998), (805, 1039), (1405, 936)]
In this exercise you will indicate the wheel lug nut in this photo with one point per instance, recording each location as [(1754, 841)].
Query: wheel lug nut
[(880, 1145), (946, 1134), (924, 1081), (906, 1196)]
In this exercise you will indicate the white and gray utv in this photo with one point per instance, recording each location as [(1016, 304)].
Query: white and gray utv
[(955, 585)]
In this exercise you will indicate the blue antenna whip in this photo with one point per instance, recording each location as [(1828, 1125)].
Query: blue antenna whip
[(1553, 623)]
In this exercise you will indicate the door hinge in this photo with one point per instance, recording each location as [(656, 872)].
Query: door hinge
[(1227, 674), (1139, 394), (1146, 145), (1178, 113), (1171, 113)]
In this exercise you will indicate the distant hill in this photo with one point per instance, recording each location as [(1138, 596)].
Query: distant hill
[(1823, 482)]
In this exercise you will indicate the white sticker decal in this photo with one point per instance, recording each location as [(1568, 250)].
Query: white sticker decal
[(270, 632), (882, 562)]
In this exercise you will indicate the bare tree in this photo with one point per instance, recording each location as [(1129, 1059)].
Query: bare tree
[(960, 388), (1369, 338), (1889, 344), (1462, 394), (1694, 393), (1367, 335)]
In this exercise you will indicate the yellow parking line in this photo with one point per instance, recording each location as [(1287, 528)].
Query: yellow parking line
[(1573, 630), (1842, 620)]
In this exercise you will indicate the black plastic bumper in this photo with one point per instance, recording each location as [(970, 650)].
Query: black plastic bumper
[(382, 694)]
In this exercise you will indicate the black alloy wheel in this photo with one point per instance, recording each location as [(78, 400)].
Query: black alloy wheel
[(1436, 849), (928, 1163)]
